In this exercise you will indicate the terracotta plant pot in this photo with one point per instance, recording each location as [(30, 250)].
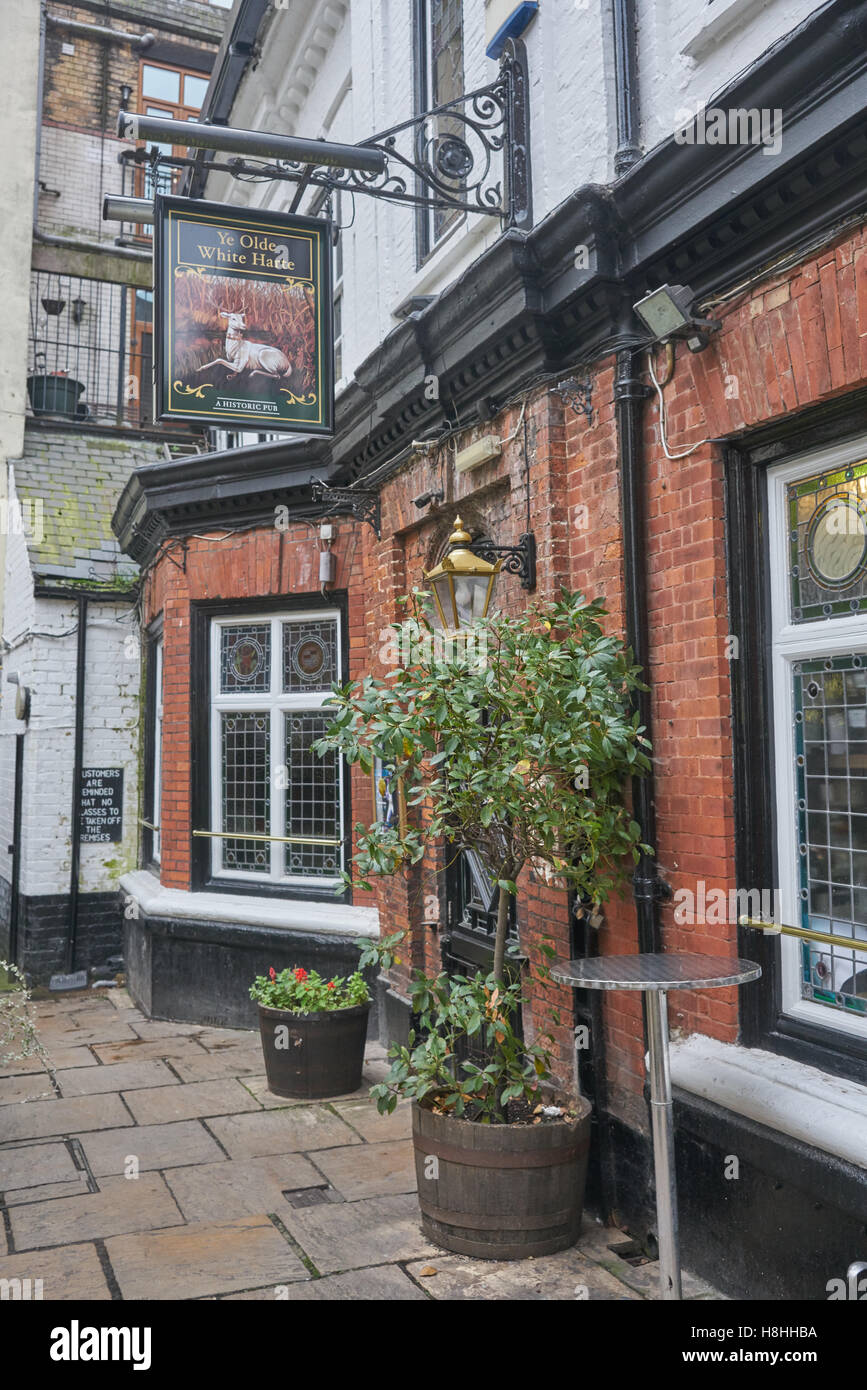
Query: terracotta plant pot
[(311, 1056), (501, 1192)]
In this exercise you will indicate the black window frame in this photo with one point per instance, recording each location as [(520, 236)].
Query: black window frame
[(202, 613), (747, 459), (425, 241)]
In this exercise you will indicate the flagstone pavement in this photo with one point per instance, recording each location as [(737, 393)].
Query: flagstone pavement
[(159, 1166)]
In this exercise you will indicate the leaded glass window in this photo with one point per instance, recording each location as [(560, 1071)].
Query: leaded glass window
[(276, 808), (312, 798), (245, 657), (827, 516), (818, 568), (830, 699), (309, 656), (246, 760)]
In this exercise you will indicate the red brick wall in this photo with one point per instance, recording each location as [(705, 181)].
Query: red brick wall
[(784, 344)]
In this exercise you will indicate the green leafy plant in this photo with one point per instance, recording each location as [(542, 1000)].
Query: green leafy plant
[(514, 742), (19, 1039), (305, 992)]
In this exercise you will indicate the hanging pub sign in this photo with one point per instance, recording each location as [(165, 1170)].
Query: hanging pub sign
[(243, 317)]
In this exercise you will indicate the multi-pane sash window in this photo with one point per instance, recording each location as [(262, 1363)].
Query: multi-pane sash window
[(818, 540), (277, 806)]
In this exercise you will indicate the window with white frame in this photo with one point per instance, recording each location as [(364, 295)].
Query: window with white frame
[(818, 553), (276, 805), (157, 771)]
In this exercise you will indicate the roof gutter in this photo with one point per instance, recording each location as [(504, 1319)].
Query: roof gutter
[(232, 61), (99, 31)]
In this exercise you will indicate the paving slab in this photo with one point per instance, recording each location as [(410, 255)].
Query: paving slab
[(47, 1192), (375, 1128), (240, 1187), (154, 1146), (203, 1259), (258, 1086), (373, 1170), (30, 1163), (111, 1031), (157, 1106), (70, 1272), (223, 1039), (379, 1230), (123, 1076), (211, 1066), (122, 1204), (14, 1089), (74, 1116), (58, 1057), (384, 1284), (644, 1278), (140, 1051), (566, 1276), (299, 1129), (148, 1029)]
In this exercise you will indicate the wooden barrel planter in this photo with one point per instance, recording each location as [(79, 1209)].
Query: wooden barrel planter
[(311, 1056), (501, 1192)]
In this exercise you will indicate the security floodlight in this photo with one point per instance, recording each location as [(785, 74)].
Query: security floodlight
[(667, 313)]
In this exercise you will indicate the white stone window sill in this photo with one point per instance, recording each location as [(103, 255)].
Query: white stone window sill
[(329, 918), (820, 1110)]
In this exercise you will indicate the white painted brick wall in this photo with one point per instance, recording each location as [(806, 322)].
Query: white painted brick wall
[(112, 714)]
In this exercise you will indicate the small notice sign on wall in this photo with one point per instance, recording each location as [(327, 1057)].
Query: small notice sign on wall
[(101, 805)]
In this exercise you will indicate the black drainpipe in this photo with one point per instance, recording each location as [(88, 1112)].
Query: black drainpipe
[(629, 393), (628, 150), (76, 782)]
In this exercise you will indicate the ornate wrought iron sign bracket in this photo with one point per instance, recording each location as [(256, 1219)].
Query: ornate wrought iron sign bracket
[(517, 559), (363, 504), (445, 159)]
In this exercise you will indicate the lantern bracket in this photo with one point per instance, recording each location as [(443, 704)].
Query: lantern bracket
[(361, 503), (578, 395), (517, 559)]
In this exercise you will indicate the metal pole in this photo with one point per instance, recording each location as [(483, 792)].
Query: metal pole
[(663, 1144), (78, 763), (131, 126)]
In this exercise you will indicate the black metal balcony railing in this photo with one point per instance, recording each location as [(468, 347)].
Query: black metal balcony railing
[(89, 351)]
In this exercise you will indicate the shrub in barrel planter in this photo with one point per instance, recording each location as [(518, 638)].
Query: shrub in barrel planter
[(313, 1032), (513, 739)]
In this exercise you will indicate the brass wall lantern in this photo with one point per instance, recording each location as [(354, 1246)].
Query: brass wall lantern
[(462, 583)]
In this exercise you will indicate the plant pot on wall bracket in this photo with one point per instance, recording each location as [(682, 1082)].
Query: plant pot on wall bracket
[(501, 1191), (315, 1055)]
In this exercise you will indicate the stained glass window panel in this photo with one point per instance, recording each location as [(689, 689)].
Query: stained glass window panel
[(245, 658), (830, 706), (827, 520), (309, 656), (312, 797), (246, 791)]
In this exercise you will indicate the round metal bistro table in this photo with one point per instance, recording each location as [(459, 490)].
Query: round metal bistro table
[(656, 974)]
